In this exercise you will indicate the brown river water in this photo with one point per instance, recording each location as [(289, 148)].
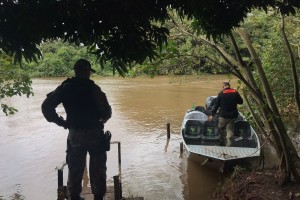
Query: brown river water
[(31, 148)]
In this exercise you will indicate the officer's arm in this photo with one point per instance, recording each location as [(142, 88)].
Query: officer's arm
[(103, 106), (216, 106), (49, 105), (106, 111), (240, 99)]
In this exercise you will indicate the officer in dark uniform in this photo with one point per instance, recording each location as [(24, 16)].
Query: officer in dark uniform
[(87, 111), (227, 101)]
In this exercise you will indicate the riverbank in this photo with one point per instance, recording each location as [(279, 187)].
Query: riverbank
[(256, 185), (260, 184)]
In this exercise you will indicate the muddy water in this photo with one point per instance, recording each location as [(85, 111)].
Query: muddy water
[(31, 148)]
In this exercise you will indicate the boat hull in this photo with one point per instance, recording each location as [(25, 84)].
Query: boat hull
[(222, 166), (202, 141)]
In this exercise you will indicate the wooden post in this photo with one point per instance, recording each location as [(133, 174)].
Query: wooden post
[(60, 180), (61, 192), (117, 188), (168, 130), (181, 148), (119, 158), (119, 153)]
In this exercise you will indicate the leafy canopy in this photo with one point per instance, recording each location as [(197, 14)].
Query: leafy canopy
[(120, 31)]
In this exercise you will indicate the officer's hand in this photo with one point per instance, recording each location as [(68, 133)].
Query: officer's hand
[(62, 122), (210, 118), (103, 120)]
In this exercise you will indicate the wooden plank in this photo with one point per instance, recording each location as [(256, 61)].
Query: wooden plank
[(87, 194)]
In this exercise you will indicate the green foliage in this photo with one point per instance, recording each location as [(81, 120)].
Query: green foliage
[(119, 31), (216, 18), (13, 81), (276, 65), (59, 58), (184, 54), (237, 171), (265, 31), (122, 32), (174, 58)]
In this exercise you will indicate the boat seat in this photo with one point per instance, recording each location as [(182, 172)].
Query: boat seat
[(242, 128), (242, 135), (192, 131), (211, 135)]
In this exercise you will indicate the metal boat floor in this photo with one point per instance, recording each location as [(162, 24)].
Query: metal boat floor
[(224, 153)]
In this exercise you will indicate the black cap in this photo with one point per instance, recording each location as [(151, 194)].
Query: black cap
[(81, 64)]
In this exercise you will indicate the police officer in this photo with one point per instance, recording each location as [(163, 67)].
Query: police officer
[(87, 111), (227, 101)]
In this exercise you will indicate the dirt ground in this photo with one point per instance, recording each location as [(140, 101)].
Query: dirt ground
[(257, 185)]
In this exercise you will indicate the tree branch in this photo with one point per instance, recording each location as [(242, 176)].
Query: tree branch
[(293, 64)]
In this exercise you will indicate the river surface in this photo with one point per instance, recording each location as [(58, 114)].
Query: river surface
[(31, 148)]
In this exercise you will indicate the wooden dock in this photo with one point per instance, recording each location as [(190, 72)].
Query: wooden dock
[(87, 193), (110, 195), (113, 192)]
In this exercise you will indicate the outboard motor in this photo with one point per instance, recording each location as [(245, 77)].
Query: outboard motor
[(209, 103)]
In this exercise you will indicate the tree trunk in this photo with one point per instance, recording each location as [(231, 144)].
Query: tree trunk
[(258, 122), (281, 138), (293, 65)]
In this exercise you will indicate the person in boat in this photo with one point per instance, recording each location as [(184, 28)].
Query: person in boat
[(87, 110), (226, 101)]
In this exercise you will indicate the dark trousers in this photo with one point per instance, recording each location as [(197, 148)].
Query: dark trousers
[(81, 141)]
